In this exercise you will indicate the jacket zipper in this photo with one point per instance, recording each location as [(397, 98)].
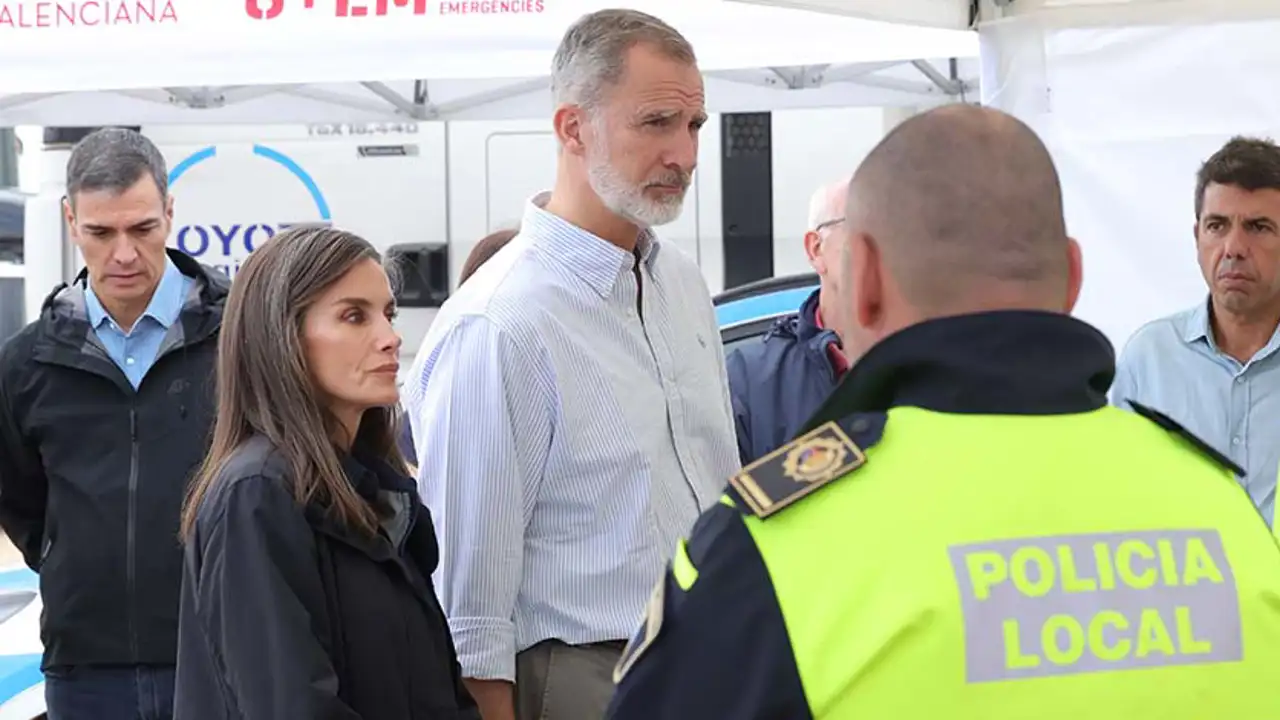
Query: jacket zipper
[(408, 529), (131, 561)]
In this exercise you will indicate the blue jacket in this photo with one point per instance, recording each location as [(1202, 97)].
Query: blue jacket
[(777, 384)]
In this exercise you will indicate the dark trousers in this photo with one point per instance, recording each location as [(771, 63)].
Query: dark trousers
[(85, 692)]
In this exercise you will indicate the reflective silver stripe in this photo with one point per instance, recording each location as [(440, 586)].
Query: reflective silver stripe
[(1059, 605)]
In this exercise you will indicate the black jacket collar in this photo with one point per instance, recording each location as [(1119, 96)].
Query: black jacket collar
[(372, 476), (1000, 363), (369, 475), (64, 322), (215, 287), (803, 328)]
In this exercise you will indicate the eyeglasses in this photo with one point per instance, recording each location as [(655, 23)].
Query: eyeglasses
[(826, 224)]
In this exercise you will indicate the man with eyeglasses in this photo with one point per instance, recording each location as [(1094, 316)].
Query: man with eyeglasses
[(777, 384)]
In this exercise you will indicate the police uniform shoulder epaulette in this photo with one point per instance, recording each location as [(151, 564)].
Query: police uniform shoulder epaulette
[(811, 461), (1175, 427)]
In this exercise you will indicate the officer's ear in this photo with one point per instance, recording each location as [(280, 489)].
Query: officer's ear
[(1075, 274), (867, 270)]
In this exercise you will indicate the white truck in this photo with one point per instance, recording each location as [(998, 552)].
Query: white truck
[(437, 188)]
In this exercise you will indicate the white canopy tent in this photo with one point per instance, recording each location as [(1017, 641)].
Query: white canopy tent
[(1131, 102), (163, 62), (959, 14), (194, 61), (1130, 96)]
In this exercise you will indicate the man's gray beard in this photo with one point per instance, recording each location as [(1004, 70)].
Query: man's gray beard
[(628, 201)]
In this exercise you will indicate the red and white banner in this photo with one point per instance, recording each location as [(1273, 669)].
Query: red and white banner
[(60, 14)]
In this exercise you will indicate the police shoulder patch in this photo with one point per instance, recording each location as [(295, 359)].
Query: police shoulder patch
[(1176, 428), (648, 632), (796, 469)]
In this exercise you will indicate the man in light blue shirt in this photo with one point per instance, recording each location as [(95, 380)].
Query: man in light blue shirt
[(135, 349), (1214, 368)]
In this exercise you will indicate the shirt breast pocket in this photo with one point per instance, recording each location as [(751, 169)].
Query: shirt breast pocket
[(699, 362), (701, 387)]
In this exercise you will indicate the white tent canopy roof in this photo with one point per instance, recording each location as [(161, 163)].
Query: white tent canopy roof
[(1130, 96), (1058, 13), (931, 13), (177, 61)]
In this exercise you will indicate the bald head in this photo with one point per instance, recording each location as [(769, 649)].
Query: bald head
[(965, 209), (827, 203)]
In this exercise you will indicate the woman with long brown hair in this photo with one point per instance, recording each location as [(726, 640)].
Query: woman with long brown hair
[(307, 588)]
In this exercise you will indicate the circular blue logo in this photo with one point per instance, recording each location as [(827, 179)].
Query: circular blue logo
[(226, 239)]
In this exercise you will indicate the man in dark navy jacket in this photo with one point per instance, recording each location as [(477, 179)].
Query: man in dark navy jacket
[(778, 384), (106, 405)]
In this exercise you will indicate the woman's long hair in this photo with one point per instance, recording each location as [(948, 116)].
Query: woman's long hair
[(264, 384)]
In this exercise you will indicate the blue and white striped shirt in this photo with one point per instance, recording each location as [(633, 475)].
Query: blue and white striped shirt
[(566, 441)]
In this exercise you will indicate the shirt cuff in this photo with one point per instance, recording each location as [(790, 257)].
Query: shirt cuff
[(486, 648)]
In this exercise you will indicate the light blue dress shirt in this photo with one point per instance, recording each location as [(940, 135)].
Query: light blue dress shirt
[(1174, 366), (566, 438), (135, 351)]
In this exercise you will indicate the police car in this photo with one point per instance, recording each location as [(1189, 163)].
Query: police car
[(744, 315), (21, 683)]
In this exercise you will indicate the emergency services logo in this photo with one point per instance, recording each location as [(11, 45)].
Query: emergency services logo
[(224, 245), (272, 9), (815, 459)]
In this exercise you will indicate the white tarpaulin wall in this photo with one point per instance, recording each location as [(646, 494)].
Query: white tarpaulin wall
[(1131, 102), (1131, 96), (81, 62)]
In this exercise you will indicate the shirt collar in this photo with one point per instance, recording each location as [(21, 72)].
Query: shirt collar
[(1196, 326), (165, 306), (591, 257)]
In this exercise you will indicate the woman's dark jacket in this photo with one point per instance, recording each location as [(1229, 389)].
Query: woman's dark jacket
[(286, 615)]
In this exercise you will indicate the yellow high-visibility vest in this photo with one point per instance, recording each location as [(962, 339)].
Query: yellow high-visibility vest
[(949, 588)]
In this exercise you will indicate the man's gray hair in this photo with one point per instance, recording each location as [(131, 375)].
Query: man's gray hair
[(592, 55), (114, 159), (827, 203)]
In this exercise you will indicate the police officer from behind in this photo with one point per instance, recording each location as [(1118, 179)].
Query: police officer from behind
[(966, 530), (105, 409)]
